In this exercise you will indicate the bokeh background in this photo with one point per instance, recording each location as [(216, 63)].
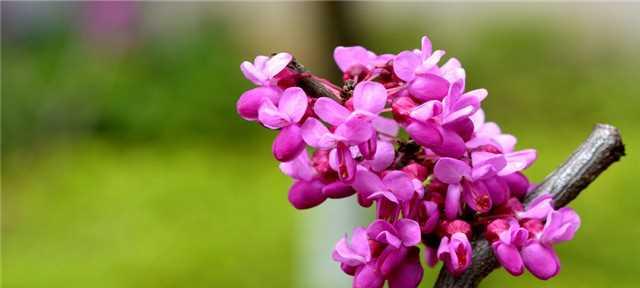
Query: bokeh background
[(125, 165)]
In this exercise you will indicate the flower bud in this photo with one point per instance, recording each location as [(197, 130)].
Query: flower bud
[(417, 171), (306, 194), (401, 107), (495, 228), (534, 226)]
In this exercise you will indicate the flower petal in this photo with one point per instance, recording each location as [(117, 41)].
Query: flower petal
[(250, 101), (409, 273), (450, 170), (368, 277), (330, 111), (384, 157), (408, 231), (540, 260), (293, 103), (452, 201), (426, 110), (518, 161), (366, 182), (383, 231), (299, 168), (426, 47), (354, 131), (386, 126), (338, 190), (369, 96), (452, 145), (271, 117), (426, 134), (477, 196), (253, 74), (316, 135), (304, 194), (509, 257), (405, 64), (560, 226), (288, 144), (348, 57), (429, 87), (539, 208), (400, 184), (276, 63), (354, 252)]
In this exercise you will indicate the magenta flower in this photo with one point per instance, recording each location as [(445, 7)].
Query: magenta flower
[(369, 99), (464, 182), (419, 69), (250, 101), (455, 252), (507, 248), (404, 232), (516, 247), (263, 70), (352, 128), (452, 177), (434, 124), (389, 191), (311, 187), (355, 252), (291, 107), (358, 61), (382, 252)]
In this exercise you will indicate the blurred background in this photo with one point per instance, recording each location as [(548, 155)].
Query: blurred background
[(125, 165)]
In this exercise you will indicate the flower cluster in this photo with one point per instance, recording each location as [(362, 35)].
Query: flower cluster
[(450, 176)]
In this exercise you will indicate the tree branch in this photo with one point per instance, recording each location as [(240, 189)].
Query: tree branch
[(603, 147), (311, 86)]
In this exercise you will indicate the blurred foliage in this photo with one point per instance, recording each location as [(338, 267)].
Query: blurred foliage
[(56, 86), (131, 169)]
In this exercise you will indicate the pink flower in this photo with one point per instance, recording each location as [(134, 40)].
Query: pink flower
[(263, 70), (455, 252), (291, 107), (389, 191), (516, 247)]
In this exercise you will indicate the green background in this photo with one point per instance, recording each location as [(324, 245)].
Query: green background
[(125, 165)]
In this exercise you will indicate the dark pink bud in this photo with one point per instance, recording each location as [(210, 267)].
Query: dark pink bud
[(349, 104), (534, 226), (349, 270), (306, 194), (320, 161), (518, 184), (338, 190), (416, 171), (288, 144), (498, 190), (376, 248), (456, 226), (463, 127), (477, 197), (401, 108), (287, 78), (495, 228)]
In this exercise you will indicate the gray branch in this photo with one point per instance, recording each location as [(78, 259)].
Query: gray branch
[(602, 148)]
